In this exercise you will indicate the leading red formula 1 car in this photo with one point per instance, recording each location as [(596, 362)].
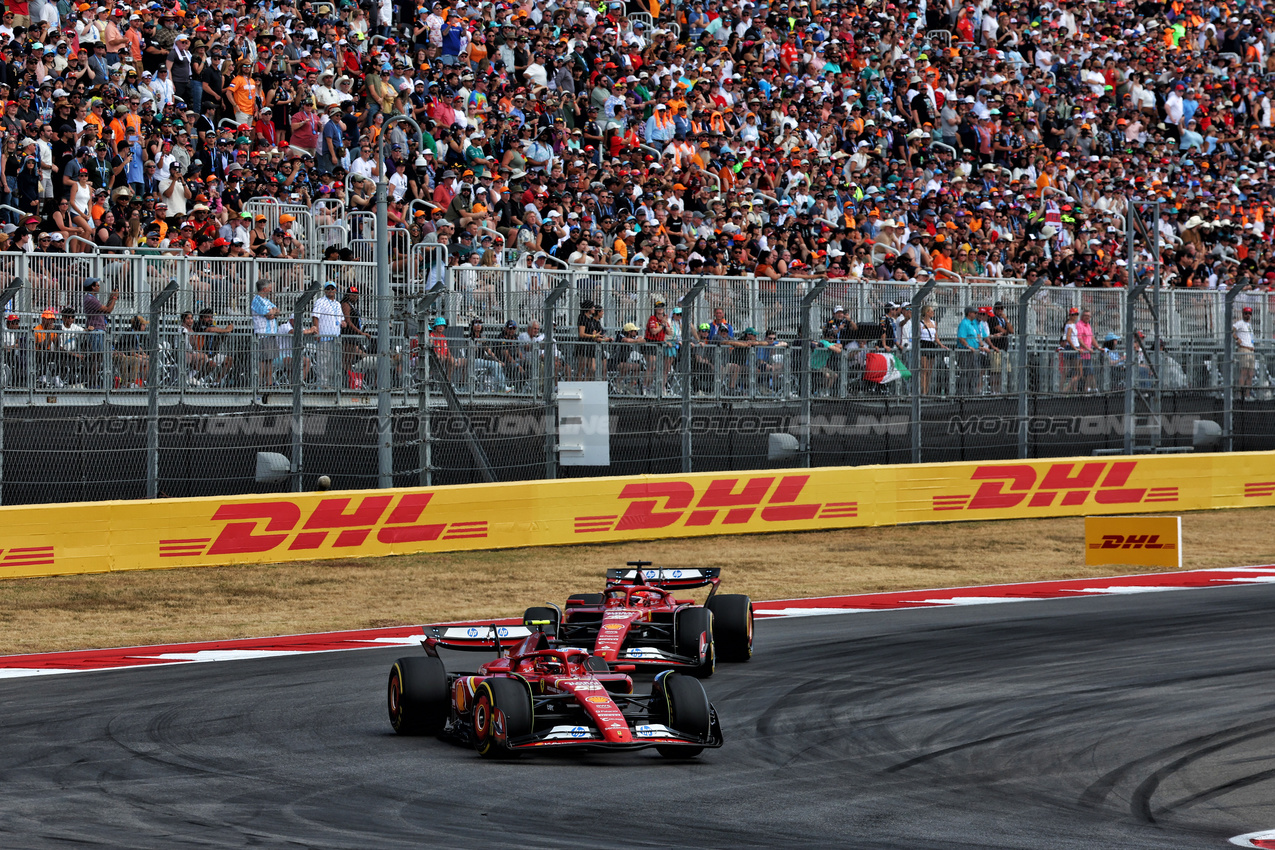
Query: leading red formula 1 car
[(637, 620), (540, 694)]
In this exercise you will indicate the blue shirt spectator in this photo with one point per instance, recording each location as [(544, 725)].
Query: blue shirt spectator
[(720, 329), (970, 333)]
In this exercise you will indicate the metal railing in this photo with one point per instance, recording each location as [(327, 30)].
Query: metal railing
[(1193, 322), (844, 386)]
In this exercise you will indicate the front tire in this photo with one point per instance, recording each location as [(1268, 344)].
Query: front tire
[(691, 623), (502, 710), (418, 696), (682, 705), (732, 625)]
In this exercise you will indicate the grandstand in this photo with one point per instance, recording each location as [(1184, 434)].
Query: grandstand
[(755, 165)]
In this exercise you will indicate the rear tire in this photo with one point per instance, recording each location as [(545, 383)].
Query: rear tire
[(732, 626), (419, 698), (510, 697), (682, 705), (541, 613), (690, 624)]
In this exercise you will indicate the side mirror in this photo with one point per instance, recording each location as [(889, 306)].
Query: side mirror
[(623, 668)]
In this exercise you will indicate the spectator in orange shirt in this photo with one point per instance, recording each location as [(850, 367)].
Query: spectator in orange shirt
[(242, 94)]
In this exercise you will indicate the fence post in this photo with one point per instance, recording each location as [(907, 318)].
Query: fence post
[(803, 363), (1228, 367), (1023, 381), (298, 357), (384, 303), (481, 463), (684, 358), (548, 369), (424, 345), (10, 292), (152, 390), (914, 363)]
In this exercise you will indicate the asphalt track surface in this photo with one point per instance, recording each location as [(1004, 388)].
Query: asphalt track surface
[(1135, 721)]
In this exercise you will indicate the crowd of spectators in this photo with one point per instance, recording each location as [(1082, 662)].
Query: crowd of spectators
[(774, 139)]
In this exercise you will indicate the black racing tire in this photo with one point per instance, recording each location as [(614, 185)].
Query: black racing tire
[(419, 698), (682, 705), (512, 697), (732, 626), (541, 612), (585, 599), (689, 624)]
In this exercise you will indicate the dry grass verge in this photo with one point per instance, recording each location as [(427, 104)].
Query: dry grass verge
[(121, 609)]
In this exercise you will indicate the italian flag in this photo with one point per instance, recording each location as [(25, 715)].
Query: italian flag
[(883, 367)]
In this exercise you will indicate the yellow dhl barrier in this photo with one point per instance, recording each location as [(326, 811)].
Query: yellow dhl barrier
[(133, 535)]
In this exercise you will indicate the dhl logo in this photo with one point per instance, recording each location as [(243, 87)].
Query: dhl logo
[(731, 501), (264, 526), (1132, 541), (1259, 489), (1011, 485)]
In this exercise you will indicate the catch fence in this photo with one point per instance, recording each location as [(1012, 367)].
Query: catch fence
[(159, 401)]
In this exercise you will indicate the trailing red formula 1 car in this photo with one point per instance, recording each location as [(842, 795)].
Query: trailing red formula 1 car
[(541, 694), (636, 620)]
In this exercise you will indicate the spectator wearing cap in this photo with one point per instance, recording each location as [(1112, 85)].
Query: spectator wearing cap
[(971, 350), (659, 328), (265, 327), (28, 177), (181, 74), (738, 359), (325, 93), (327, 317), (625, 359), (243, 95), (539, 154), (355, 341), (162, 92), (96, 316), (509, 353), (889, 326), (273, 247), (1245, 356), (331, 142), (445, 190), (176, 192), (999, 331), (590, 332), (17, 347), (306, 125), (258, 236), (843, 327), (486, 364), (113, 36)]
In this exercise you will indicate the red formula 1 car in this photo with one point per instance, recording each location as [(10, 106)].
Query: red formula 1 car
[(637, 621), (541, 694)]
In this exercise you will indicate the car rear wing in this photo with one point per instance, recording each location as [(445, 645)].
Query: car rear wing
[(473, 637), (684, 578)]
